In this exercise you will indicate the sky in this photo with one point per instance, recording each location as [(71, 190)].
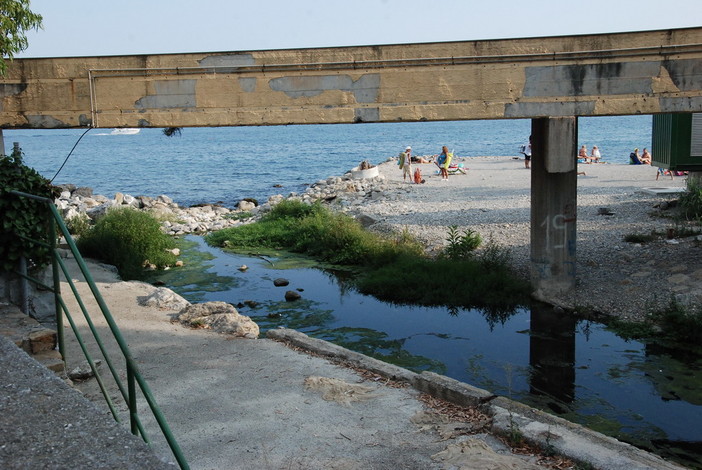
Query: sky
[(98, 27)]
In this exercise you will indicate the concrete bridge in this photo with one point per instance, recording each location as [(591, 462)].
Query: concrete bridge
[(550, 80)]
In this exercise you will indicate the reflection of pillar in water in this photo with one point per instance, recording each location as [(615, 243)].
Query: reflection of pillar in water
[(552, 353)]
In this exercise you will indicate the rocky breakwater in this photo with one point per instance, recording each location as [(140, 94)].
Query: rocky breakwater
[(79, 203), (344, 193)]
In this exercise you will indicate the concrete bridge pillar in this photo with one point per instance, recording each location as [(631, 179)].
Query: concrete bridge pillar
[(553, 206)]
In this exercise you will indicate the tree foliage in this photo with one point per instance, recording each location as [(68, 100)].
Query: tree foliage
[(22, 217), (15, 19)]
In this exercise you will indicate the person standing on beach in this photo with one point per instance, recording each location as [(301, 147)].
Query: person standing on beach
[(444, 161), (527, 154), (405, 163), (595, 155)]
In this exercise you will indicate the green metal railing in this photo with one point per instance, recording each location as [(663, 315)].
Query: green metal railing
[(134, 377)]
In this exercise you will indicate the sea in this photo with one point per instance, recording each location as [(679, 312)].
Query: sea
[(227, 164)]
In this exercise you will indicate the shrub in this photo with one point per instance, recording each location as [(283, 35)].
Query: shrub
[(690, 201), (461, 247), (128, 239), (78, 225), (23, 217)]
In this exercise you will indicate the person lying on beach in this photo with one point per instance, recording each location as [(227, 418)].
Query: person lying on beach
[(420, 159)]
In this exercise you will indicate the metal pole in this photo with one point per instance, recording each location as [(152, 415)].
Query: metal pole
[(57, 287), (24, 286)]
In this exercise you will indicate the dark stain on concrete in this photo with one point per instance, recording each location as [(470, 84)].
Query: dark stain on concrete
[(685, 104), (170, 94), (590, 79), (43, 121), (366, 115), (11, 89), (365, 89), (685, 74)]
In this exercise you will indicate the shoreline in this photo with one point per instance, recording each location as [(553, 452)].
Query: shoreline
[(493, 198)]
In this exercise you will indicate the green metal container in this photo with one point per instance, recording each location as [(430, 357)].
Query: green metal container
[(677, 141)]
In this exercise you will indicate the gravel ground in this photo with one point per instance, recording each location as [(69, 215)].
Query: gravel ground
[(614, 277)]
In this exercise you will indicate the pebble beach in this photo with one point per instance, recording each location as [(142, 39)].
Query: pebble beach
[(614, 277)]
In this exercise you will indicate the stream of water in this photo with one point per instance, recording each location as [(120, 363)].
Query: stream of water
[(579, 370)]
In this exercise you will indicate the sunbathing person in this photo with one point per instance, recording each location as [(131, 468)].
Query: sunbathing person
[(420, 159), (582, 154), (634, 158), (646, 157)]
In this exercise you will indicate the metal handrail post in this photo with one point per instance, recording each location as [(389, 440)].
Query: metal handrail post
[(24, 285), (132, 400), (57, 289)]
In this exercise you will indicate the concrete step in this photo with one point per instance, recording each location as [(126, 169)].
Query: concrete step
[(30, 336), (51, 360)]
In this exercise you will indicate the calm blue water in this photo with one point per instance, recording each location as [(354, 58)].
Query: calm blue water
[(206, 165)]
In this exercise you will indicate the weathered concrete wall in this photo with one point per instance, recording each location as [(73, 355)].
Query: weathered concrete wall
[(624, 73)]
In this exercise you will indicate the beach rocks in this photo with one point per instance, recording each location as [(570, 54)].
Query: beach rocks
[(292, 295), (343, 192), (77, 202), (220, 317)]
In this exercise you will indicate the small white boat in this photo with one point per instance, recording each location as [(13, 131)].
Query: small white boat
[(125, 131)]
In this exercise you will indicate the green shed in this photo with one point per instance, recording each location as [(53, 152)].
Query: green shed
[(677, 141)]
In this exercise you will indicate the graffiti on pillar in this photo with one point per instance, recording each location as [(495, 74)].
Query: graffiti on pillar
[(541, 268), (560, 223)]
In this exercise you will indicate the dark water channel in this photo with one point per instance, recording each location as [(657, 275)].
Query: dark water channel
[(635, 392)]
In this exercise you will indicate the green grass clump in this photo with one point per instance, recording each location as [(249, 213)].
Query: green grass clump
[(639, 238), (395, 269), (424, 281), (690, 201), (677, 324), (681, 324), (128, 239), (317, 232)]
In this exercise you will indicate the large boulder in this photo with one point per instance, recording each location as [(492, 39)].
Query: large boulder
[(220, 317), (246, 206), (164, 299)]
